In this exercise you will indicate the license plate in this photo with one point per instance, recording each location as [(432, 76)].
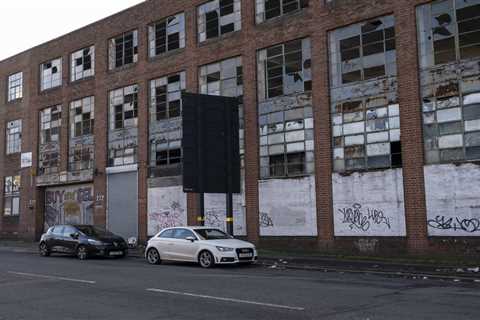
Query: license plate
[(116, 253), (245, 255)]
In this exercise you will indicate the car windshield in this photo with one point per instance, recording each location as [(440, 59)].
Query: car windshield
[(211, 234), (92, 231)]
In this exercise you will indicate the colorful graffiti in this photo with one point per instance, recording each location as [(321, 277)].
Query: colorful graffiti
[(69, 205)]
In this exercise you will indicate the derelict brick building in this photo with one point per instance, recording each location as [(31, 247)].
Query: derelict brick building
[(359, 126)]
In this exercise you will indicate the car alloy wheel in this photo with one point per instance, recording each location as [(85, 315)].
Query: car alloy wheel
[(44, 252), (206, 259), (153, 257), (82, 253)]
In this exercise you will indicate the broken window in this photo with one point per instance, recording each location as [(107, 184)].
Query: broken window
[(449, 31), (123, 50), (268, 9), (165, 124), (225, 78), (82, 64), (285, 69), (449, 49), (81, 146), (11, 196), (51, 74), (49, 149), (123, 126), (14, 136), (166, 96), (167, 35), (218, 17), (15, 86), (365, 112)]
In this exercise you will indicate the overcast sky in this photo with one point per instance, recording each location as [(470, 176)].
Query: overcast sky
[(27, 23)]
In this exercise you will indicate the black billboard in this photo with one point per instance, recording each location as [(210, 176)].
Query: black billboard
[(211, 155)]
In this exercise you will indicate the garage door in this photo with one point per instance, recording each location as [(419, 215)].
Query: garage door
[(122, 198)]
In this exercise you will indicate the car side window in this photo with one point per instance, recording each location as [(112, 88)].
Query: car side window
[(57, 231), (167, 234), (183, 234), (68, 231)]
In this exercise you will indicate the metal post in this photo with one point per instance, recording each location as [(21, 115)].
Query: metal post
[(201, 215), (229, 156), (229, 219)]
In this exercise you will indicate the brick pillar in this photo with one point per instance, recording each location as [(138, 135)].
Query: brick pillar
[(411, 128), (249, 63), (193, 204), (143, 148), (323, 139)]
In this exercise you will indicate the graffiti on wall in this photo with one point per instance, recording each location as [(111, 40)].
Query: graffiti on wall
[(216, 213), (361, 219), (69, 205), (287, 207), (453, 205), (369, 203), (167, 207)]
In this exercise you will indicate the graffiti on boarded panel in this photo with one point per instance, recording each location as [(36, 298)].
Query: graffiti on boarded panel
[(69, 205), (453, 205), (216, 209), (167, 207), (287, 207), (369, 203)]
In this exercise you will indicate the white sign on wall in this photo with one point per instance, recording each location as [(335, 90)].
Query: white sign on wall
[(26, 160)]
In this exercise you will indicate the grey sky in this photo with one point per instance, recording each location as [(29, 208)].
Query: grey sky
[(27, 23)]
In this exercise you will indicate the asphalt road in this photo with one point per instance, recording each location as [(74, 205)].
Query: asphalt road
[(59, 287)]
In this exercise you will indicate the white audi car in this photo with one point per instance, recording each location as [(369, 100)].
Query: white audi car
[(207, 246)]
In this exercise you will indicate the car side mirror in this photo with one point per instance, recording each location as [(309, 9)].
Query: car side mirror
[(190, 238)]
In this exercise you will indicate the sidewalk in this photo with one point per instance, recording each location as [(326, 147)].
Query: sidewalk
[(413, 267)]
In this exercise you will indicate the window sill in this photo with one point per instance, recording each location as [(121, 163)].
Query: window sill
[(280, 20), (50, 90), (166, 54), (295, 94), (347, 173), (219, 38), (299, 176), (79, 81), (14, 101), (122, 68)]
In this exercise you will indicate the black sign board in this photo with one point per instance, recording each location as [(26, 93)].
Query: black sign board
[(211, 155)]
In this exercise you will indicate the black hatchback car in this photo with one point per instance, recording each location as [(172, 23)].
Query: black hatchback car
[(82, 241)]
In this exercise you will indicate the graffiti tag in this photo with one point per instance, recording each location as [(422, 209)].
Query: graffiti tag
[(265, 220), (359, 219), (455, 223), (169, 217)]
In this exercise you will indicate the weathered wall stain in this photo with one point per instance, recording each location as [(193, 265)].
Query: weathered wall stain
[(167, 207)]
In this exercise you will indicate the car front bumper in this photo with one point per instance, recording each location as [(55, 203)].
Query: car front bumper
[(231, 257)]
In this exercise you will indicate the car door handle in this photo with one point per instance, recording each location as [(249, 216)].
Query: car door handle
[(170, 244)]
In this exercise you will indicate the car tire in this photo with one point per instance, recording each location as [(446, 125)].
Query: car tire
[(153, 257), (206, 259), (82, 253), (43, 249)]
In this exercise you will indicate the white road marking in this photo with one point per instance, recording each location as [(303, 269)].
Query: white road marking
[(226, 299), (33, 275)]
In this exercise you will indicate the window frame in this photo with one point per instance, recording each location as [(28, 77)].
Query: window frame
[(73, 64), (10, 195), (112, 50), (17, 89), (152, 39), (15, 137), (53, 80)]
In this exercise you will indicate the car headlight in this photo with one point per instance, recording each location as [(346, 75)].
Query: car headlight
[(95, 242), (224, 249)]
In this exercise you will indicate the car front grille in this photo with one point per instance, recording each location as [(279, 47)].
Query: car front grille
[(242, 253)]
